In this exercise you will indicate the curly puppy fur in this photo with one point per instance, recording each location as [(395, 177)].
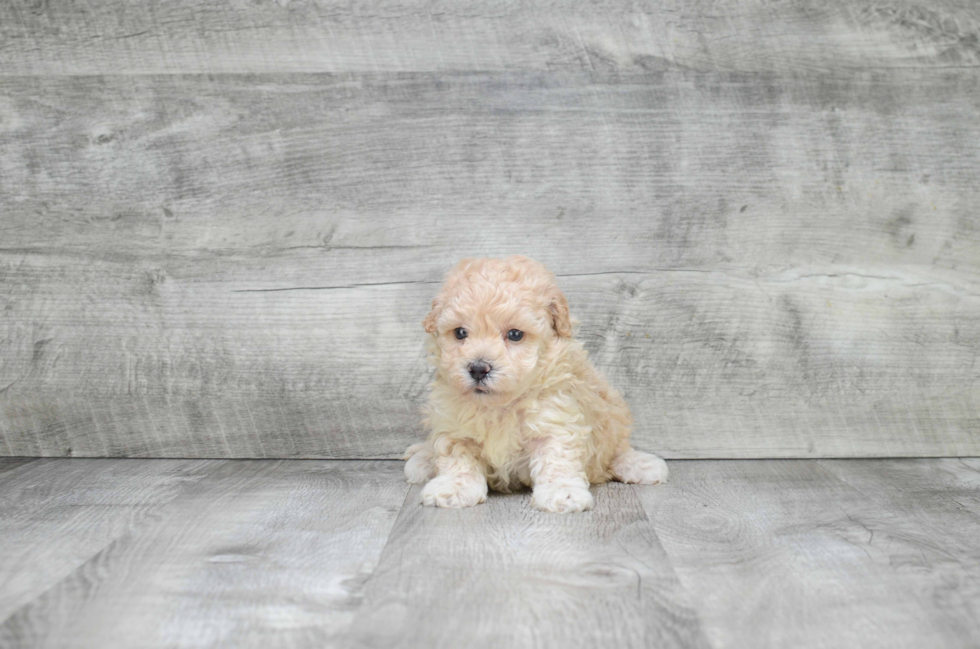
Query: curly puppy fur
[(541, 416)]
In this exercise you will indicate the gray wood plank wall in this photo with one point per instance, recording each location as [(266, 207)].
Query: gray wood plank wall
[(221, 224)]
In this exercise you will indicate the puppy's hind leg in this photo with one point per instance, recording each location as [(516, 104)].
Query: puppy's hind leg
[(420, 464), (639, 468)]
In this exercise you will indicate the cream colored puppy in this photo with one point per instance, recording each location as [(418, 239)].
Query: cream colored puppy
[(515, 400)]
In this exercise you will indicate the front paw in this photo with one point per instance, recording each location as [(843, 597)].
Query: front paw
[(454, 491), (562, 498)]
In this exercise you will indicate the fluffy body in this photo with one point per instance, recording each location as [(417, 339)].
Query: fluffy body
[(543, 417)]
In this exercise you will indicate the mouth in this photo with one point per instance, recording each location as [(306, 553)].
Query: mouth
[(481, 390)]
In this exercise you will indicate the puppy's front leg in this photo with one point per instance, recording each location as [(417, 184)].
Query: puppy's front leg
[(460, 482), (556, 454), (560, 484)]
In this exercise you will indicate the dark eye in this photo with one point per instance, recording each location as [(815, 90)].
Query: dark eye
[(515, 335), (460, 333)]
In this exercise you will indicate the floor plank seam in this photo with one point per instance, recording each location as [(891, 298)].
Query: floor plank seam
[(686, 591), (381, 555)]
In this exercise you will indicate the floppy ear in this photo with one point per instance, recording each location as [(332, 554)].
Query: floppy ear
[(430, 320), (561, 320)]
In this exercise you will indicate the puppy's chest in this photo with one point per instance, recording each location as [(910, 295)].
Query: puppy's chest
[(505, 440)]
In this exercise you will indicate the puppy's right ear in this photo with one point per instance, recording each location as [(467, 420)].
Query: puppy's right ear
[(430, 320)]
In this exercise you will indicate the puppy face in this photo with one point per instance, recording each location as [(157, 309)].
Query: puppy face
[(493, 321)]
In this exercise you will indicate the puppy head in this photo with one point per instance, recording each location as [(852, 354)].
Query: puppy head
[(493, 320)]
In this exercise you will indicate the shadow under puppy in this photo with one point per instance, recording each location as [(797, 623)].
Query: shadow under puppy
[(515, 401)]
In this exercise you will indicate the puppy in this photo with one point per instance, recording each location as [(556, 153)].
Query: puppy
[(515, 401)]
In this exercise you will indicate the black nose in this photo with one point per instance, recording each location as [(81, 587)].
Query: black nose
[(479, 370)]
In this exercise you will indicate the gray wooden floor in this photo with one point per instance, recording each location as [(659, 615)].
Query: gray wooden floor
[(273, 553)]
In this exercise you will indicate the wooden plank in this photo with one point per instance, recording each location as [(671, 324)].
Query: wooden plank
[(11, 463), (257, 553), (504, 574), (236, 266), (385, 178), (55, 515), (782, 553), (112, 37), (938, 494), (713, 365)]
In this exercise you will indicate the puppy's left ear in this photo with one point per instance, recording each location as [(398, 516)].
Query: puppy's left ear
[(561, 320), (430, 320)]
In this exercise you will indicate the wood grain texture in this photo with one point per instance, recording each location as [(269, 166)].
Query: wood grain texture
[(191, 553), (504, 574), (11, 463), (936, 494), (113, 37), (784, 553), (236, 266), (55, 515), (257, 553)]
